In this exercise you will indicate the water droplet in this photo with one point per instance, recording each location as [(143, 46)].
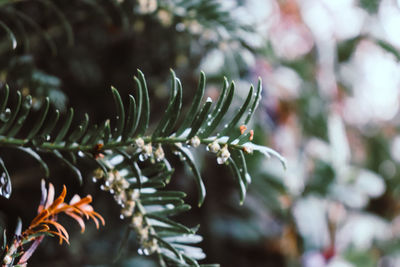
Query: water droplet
[(94, 180), (142, 157), (209, 123), (240, 169), (140, 251), (107, 183), (207, 148), (47, 137), (220, 160), (102, 187), (112, 191), (226, 126), (121, 216), (248, 178), (209, 116), (5, 115), (80, 154), (2, 179)]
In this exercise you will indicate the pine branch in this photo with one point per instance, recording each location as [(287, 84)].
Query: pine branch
[(132, 162)]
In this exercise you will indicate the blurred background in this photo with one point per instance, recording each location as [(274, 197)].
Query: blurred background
[(331, 92)]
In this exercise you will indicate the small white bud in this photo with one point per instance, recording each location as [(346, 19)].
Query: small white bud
[(223, 155), (214, 147), (137, 221), (139, 142), (159, 153), (148, 149), (195, 141)]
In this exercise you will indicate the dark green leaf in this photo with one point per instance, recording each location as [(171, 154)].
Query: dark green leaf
[(4, 99), (236, 173), (131, 119), (51, 123), (76, 135), (163, 194), (65, 127), (14, 114), (255, 102), (10, 34), (144, 119), (211, 125), (176, 110), (40, 120), (25, 108), (37, 157), (119, 128), (74, 169), (232, 126), (168, 246), (200, 118), (181, 227), (172, 211), (201, 190), (195, 105)]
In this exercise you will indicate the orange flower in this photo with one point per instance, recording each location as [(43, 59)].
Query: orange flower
[(48, 210), (242, 129), (46, 220)]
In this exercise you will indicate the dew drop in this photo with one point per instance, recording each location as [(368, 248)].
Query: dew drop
[(121, 216), (80, 154), (94, 180), (112, 191), (2, 179), (142, 157), (140, 251), (220, 160), (5, 115), (226, 126), (209, 123), (209, 116), (102, 187), (146, 252)]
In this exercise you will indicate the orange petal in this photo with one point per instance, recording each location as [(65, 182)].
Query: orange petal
[(100, 217), (74, 199), (78, 219), (50, 196), (95, 220), (39, 218), (59, 200), (60, 236), (84, 201), (59, 228)]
